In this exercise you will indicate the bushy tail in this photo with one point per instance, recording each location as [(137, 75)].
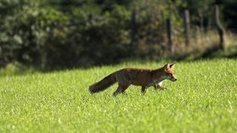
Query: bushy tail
[(103, 84)]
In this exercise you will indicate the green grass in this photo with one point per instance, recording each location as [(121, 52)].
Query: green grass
[(204, 99)]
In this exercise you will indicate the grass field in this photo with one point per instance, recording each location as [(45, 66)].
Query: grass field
[(204, 99)]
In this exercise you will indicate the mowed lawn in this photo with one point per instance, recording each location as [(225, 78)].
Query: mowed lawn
[(204, 99)]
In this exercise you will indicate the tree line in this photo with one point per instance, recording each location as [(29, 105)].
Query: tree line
[(71, 33)]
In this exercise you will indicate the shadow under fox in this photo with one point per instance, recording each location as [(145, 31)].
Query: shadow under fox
[(133, 76)]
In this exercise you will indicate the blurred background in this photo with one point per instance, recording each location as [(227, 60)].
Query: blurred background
[(64, 34)]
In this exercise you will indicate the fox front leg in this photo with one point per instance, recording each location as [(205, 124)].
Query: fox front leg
[(158, 86), (155, 86), (143, 90)]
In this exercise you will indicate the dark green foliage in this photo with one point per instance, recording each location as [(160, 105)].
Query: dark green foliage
[(230, 14), (71, 33)]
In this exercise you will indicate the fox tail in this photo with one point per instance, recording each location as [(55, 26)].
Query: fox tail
[(103, 84)]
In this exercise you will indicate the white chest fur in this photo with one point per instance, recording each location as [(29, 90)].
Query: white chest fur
[(160, 83)]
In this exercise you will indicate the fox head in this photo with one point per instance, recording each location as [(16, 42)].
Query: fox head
[(169, 72)]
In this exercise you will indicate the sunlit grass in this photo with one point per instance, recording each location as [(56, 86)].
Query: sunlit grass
[(204, 99)]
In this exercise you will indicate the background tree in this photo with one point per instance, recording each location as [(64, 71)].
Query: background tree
[(71, 33)]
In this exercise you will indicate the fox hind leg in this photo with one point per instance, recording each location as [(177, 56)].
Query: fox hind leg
[(120, 89)]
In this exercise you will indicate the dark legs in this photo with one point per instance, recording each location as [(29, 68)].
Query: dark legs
[(143, 90), (157, 86), (120, 89)]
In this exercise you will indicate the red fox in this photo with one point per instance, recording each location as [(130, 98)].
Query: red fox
[(132, 76)]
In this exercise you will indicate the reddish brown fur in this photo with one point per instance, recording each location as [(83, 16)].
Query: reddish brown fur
[(133, 76)]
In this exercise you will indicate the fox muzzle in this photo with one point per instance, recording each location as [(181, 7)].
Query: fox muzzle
[(173, 79)]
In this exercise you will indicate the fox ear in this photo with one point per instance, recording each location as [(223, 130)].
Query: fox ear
[(166, 66), (171, 65)]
